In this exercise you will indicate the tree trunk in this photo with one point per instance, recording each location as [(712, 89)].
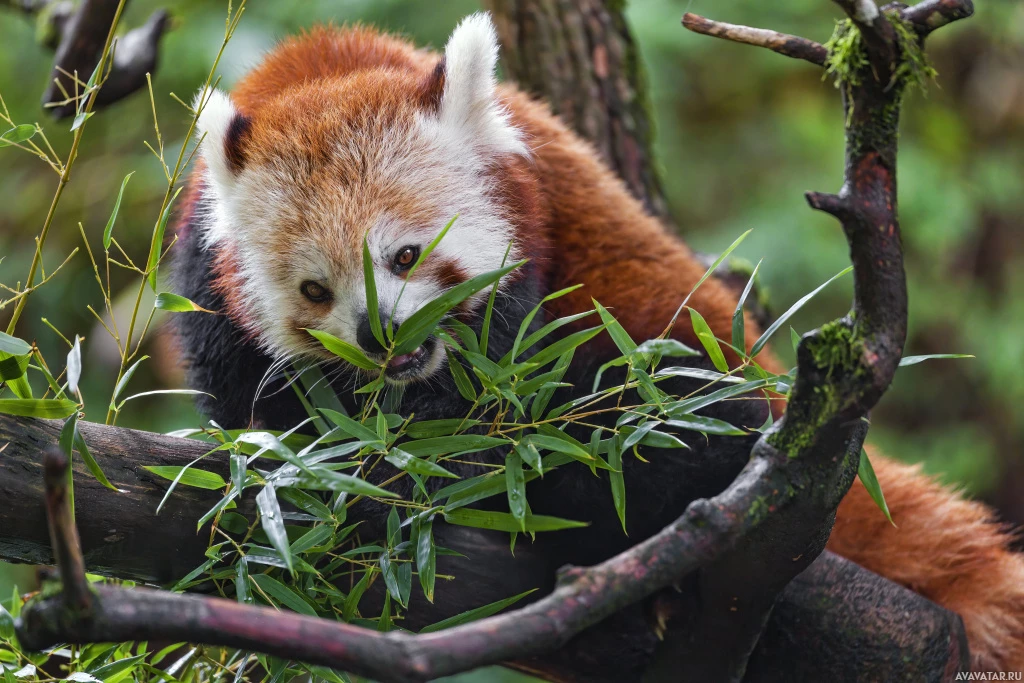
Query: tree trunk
[(579, 56)]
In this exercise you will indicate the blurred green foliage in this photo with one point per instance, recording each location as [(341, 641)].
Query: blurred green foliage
[(742, 133)]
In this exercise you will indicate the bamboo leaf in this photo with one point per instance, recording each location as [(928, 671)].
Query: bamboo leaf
[(781, 320), (738, 331), (409, 463), (914, 360), (273, 523), (158, 241), (166, 301), (109, 230), (421, 324), (866, 474), (48, 408), (189, 476), (516, 486), (503, 521), (372, 304), (344, 350), (708, 341), (475, 614)]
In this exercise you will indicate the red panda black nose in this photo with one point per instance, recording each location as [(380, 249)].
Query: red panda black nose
[(364, 334)]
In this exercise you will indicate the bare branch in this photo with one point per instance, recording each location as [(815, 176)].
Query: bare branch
[(934, 14), (63, 534), (78, 35), (783, 43)]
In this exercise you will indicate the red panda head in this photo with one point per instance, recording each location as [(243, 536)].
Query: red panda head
[(296, 182)]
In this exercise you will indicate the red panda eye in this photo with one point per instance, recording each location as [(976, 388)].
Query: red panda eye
[(315, 292), (406, 257)]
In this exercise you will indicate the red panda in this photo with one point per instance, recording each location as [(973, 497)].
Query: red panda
[(342, 133)]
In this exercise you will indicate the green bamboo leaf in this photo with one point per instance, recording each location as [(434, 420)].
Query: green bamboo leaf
[(14, 346), (571, 342), (306, 503), (545, 332), (431, 428), (485, 328), (17, 135), (166, 301), (421, 324), (710, 271), (462, 381), (666, 347), (351, 427), (348, 610), (525, 325), (283, 594), (781, 320), (372, 303), (475, 614), (559, 444), (273, 524), (866, 474), (189, 476), (738, 331), (90, 461), (503, 521), (109, 230), (48, 408), (794, 338), (125, 378), (914, 360), (426, 557), (344, 350), (708, 341), (531, 456), (457, 443), (157, 245), (617, 332), (707, 425), (12, 368), (617, 480), (516, 487), (316, 536), (409, 463)]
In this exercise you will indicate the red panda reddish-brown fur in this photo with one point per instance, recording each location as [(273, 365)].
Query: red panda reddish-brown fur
[(944, 547)]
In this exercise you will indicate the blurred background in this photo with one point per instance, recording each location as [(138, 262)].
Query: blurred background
[(741, 134)]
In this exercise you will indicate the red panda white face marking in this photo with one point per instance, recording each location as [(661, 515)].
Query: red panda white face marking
[(295, 185)]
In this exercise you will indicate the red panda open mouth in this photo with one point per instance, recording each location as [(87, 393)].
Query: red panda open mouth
[(412, 365)]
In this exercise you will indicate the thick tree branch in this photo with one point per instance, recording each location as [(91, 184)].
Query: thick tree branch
[(121, 536)]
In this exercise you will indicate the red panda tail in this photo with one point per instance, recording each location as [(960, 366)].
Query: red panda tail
[(946, 548)]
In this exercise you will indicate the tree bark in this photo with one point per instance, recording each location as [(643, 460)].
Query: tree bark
[(580, 57), (121, 536)]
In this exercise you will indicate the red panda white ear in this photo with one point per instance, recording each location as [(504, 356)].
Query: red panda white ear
[(223, 131), (469, 102)]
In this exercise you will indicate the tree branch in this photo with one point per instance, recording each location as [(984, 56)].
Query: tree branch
[(784, 44), (78, 36), (748, 542)]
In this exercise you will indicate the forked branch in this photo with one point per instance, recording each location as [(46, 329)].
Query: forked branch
[(747, 543)]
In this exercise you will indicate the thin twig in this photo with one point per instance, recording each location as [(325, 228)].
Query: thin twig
[(783, 43)]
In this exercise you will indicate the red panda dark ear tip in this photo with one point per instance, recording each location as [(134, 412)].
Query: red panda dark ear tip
[(235, 139), (432, 89), (224, 132)]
